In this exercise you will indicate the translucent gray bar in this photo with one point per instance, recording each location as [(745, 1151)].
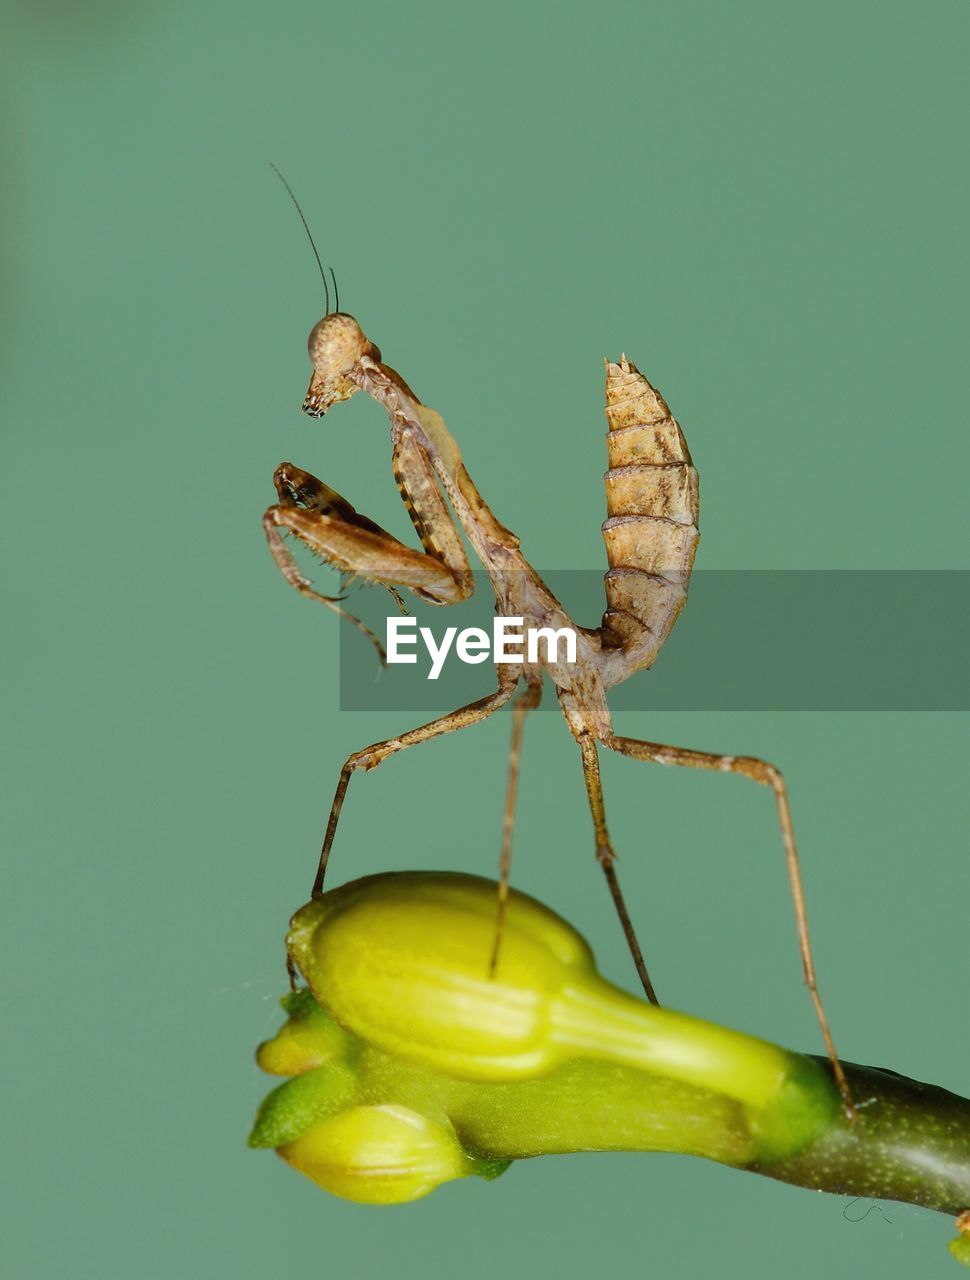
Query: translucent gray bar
[(748, 640)]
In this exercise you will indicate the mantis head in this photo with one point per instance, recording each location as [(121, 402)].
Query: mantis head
[(336, 344)]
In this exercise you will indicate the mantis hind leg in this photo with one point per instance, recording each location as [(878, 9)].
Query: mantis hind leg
[(606, 857), (768, 775)]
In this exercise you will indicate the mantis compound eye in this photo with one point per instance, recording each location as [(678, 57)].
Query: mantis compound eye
[(336, 344)]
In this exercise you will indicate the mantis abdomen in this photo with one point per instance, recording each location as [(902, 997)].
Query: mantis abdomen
[(652, 504)]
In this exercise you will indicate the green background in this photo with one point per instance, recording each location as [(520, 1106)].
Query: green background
[(764, 205)]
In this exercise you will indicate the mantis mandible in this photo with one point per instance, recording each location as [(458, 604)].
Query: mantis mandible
[(651, 536)]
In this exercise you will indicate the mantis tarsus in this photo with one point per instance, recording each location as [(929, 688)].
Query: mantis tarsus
[(651, 537)]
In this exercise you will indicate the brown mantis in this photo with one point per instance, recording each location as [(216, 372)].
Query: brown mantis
[(651, 538)]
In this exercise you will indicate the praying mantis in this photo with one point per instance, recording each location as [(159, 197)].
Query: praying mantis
[(651, 535)]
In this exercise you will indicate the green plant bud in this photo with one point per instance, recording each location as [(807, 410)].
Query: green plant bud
[(379, 1155), (309, 1039), (294, 1107), (403, 962)]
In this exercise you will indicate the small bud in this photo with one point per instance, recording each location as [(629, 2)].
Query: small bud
[(379, 1155), (295, 1106), (309, 1039)]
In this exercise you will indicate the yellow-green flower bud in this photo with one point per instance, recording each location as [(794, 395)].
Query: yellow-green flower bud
[(403, 962), (379, 1155), (309, 1039), (300, 1103)]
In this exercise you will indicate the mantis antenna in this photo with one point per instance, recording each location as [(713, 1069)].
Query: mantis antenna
[(336, 292), (326, 288)]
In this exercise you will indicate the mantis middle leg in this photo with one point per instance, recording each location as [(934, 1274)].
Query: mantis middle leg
[(524, 703), (370, 757)]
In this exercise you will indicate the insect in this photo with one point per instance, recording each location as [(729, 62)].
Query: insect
[(651, 536)]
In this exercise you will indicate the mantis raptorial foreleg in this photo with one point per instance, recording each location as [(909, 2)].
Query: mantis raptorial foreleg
[(301, 497), (768, 775), (433, 522), (337, 534)]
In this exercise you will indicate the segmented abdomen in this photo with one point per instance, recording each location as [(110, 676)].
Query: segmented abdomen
[(652, 503)]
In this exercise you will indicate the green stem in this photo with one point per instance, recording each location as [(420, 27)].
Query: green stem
[(911, 1142)]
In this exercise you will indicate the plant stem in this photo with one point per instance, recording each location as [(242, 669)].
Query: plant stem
[(911, 1142)]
